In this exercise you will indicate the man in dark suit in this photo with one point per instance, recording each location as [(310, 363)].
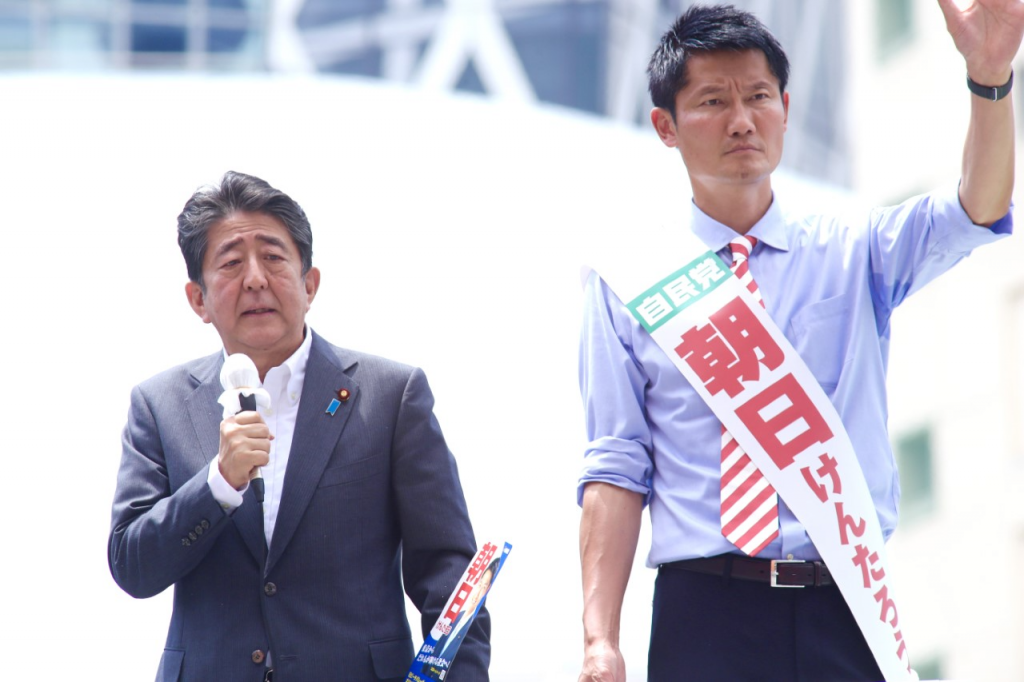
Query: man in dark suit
[(362, 494)]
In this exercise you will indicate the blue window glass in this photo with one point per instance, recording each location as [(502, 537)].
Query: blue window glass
[(562, 49), (15, 33), (914, 459), (316, 13)]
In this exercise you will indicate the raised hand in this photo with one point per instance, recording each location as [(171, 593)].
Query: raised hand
[(987, 33)]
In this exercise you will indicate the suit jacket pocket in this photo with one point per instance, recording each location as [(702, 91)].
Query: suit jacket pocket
[(353, 471), (391, 658), (170, 665), (819, 334)]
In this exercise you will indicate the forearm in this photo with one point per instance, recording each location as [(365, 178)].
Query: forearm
[(988, 34), (147, 551), (988, 165), (608, 536)]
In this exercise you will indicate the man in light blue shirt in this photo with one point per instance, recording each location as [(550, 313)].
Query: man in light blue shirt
[(718, 84)]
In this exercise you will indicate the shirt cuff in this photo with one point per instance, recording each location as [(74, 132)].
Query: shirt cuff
[(956, 212), (620, 462), (228, 498)]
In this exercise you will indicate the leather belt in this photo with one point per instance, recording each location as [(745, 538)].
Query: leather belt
[(775, 572)]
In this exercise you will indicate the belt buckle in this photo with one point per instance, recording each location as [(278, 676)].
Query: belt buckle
[(773, 581)]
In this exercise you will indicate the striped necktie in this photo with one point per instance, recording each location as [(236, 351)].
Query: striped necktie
[(750, 506)]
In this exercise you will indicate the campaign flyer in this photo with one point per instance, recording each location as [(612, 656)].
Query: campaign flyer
[(435, 658)]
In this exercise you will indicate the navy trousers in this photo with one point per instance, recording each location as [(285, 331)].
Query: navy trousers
[(708, 628)]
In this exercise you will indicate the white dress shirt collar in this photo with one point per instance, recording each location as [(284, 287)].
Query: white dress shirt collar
[(770, 229)]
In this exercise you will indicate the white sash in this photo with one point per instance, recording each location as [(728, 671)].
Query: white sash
[(777, 412)]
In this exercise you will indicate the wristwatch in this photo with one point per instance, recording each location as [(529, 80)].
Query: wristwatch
[(990, 92)]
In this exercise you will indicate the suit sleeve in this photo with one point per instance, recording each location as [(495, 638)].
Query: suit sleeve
[(437, 537), (156, 536)]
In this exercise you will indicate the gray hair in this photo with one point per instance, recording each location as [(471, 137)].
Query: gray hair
[(236, 193)]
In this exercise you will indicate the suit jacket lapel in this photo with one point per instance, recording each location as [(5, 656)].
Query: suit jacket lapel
[(316, 435), (205, 414)]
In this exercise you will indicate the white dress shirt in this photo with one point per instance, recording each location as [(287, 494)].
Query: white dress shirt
[(284, 384), (831, 285)]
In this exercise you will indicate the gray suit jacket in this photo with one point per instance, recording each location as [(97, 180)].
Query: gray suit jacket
[(371, 500)]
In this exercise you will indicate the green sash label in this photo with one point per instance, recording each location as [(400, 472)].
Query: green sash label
[(678, 291)]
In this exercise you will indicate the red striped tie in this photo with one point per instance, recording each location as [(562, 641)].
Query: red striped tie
[(750, 506)]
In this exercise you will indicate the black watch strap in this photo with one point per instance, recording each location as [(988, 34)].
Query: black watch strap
[(990, 92)]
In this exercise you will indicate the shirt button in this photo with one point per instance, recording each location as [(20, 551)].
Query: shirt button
[(258, 656), (789, 557), (270, 589)]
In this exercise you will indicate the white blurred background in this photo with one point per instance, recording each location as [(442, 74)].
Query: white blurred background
[(454, 159)]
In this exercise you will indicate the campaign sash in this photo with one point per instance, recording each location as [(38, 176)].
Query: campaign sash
[(740, 363)]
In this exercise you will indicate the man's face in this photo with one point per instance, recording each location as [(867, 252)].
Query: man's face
[(730, 119), (256, 295), (479, 591)]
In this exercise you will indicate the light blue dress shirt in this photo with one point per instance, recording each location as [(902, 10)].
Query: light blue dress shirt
[(831, 285)]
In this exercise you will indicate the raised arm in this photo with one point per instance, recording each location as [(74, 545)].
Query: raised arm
[(608, 536), (987, 33)]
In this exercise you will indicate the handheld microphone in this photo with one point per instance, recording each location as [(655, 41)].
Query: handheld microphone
[(242, 392)]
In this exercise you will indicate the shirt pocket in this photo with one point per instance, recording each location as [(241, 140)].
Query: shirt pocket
[(820, 333)]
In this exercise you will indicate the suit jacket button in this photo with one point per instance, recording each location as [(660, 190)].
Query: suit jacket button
[(192, 536), (205, 524), (270, 589), (258, 656), (199, 530), (186, 542)]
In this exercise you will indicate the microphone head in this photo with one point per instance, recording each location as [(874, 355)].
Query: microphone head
[(239, 371)]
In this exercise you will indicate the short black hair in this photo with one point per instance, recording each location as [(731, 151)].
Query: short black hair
[(709, 28), (238, 192)]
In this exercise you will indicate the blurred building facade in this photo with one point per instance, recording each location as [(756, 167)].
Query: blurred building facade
[(878, 106), (584, 54)]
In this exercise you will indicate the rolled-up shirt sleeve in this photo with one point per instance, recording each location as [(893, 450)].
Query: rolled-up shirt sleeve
[(916, 241), (612, 384)]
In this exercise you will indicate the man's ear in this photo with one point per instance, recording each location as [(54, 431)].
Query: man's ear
[(312, 283), (197, 300), (665, 126)]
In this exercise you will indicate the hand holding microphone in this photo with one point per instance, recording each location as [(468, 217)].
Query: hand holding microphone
[(244, 437)]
